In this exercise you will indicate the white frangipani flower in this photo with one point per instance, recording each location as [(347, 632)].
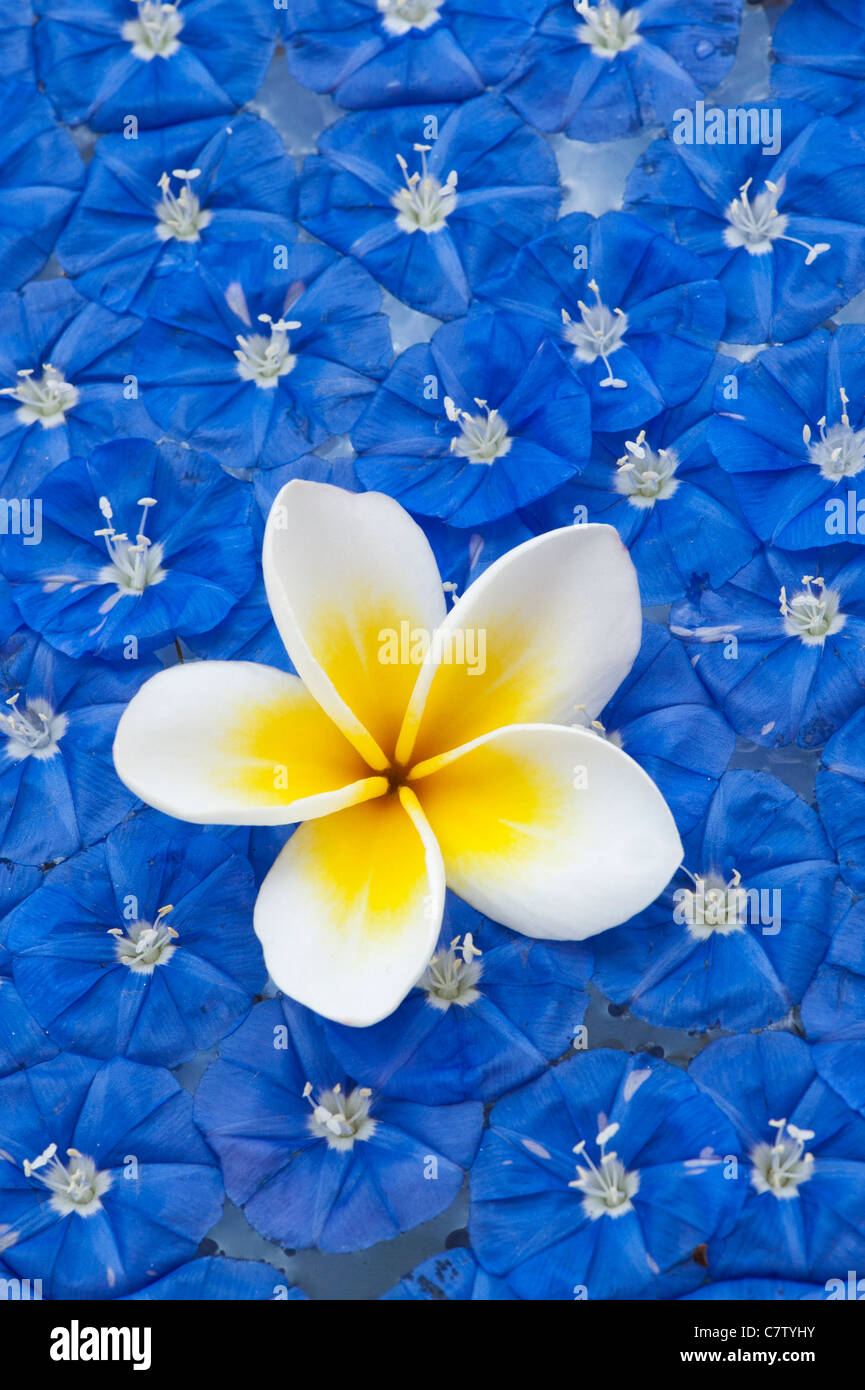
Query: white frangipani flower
[(410, 777)]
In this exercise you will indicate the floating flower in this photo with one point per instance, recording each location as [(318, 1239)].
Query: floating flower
[(488, 1014), (841, 797), (139, 545), (216, 1279), (315, 1158), (261, 355), (454, 1275), (599, 69), (150, 205), (793, 440), (663, 491), (600, 1179), (66, 381), (41, 174), (781, 648), (412, 764), (22, 1042), (108, 58), (634, 315), (834, 1007), (737, 937), (104, 1180), (780, 233), (434, 201), (140, 946), (800, 1156), (819, 47), (475, 424), (389, 52), (58, 788)]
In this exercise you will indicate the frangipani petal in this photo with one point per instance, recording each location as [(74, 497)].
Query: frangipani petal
[(236, 743), (350, 913), (558, 623), (343, 571), (554, 832)]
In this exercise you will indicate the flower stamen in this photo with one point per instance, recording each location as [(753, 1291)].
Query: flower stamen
[(341, 1120), (33, 732), (424, 204), (840, 450), (451, 976), (645, 476), (76, 1187), (607, 1186), (135, 565), (482, 438), (264, 360), (812, 617), (47, 400), (756, 225), (781, 1168), (599, 334), (401, 16), (153, 33), (181, 217), (144, 945), (607, 29)]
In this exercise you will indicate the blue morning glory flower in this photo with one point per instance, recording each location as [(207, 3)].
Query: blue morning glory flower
[(66, 381), (264, 352), (834, 1007), (387, 52), (599, 70), (431, 201), (58, 787), (798, 1159), (784, 235), (819, 47), (102, 59), (736, 939), (41, 174), (22, 1042), (139, 546), (455, 1275), (600, 1180), (151, 204), (663, 717), (489, 1012), (213, 1278), (316, 1158), (104, 1180), (781, 647), (841, 798), (636, 316), (476, 423), (141, 946), (793, 440), (16, 48), (663, 491), (757, 1291)]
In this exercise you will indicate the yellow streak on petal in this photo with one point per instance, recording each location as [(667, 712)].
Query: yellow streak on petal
[(285, 750), (370, 866)]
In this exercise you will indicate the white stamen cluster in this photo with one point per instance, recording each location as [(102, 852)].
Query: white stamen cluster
[(424, 205), (46, 400), (608, 30), (399, 17), (645, 476), (607, 1187), (76, 1187), (145, 945), (182, 217), (756, 225), (810, 616), (715, 907), (153, 34), (599, 333), (265, 359), (134, 564), (452, 975), (482, 438), (840, 450), (33, 732), (341, 1119), (782, 1167)]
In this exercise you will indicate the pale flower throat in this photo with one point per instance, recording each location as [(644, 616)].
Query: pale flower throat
[(154, 33)]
